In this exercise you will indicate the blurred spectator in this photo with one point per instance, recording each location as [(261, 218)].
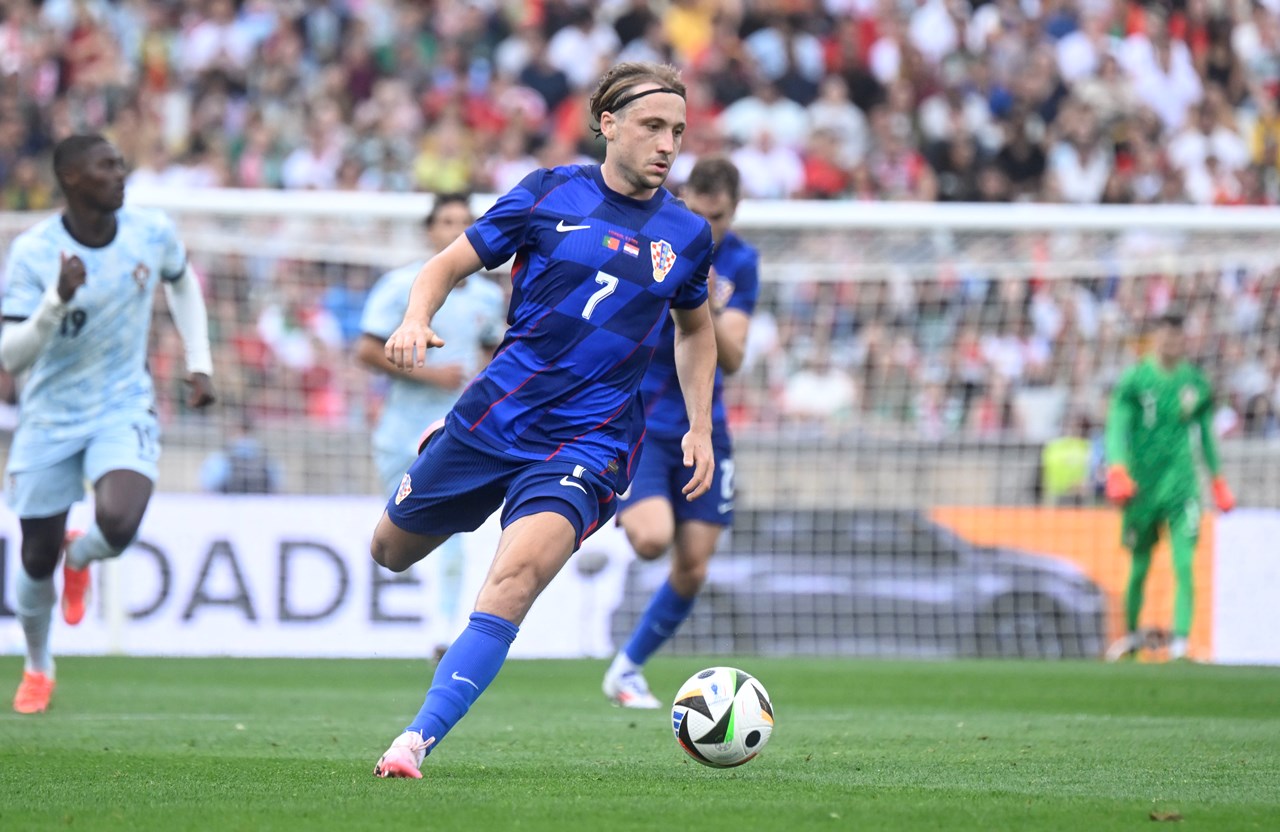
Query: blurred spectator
[(1079, 165), (304, 343), (769, 170), (243, 466), (24, 189), (1163, 73), (835, 114), (818, 390), (1067, 101), (766, 109)]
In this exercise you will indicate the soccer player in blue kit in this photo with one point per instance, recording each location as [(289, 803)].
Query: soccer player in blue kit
[(652, 512), (79, 291), (552, 426)]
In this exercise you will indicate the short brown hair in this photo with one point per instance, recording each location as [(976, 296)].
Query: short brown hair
[(713, 175), (622, 78), (444, 200)]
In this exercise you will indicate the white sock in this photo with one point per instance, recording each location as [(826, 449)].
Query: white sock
[(90, 547), (622, 664), (35, 612), (1178, 647)]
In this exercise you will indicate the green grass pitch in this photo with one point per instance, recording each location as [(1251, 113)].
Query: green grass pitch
[(230, 744)]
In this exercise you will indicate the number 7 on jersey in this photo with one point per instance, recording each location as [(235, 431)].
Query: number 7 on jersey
[(609, 282)]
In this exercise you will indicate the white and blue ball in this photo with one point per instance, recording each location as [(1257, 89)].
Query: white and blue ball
[(722, 717)]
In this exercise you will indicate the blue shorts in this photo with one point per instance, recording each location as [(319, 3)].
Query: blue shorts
[(661, 473), (47, 478), (454, 486)]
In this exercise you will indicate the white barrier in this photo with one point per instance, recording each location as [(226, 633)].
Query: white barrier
[(292, 576), (1246, 617)]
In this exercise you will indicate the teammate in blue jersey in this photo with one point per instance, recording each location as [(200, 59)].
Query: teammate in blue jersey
[(652, 512), (79, 289), (554, 423), (470, 322)]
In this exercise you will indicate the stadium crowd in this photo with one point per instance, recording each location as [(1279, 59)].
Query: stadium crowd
[(1081, 101)]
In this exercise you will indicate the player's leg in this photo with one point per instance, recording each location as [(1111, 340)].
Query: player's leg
[(531, 552), (1184, 532), (449, 488), (40, 497), (1141, 532), (398, 549), (120, 499), (650, 526), (649, 523), (41, 545), (648, 515), (670, 606), (122, 462), (550, 510), (451, 556)]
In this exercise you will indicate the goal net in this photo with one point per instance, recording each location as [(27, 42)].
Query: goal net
[(917, 422)]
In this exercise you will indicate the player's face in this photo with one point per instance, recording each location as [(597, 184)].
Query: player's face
[(1173, 345), (451, 220), (644, 140), (716, 209), (99, 178)]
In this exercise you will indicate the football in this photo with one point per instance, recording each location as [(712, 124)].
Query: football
[(722, 717)]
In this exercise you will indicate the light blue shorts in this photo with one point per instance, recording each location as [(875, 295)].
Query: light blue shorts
[(46, 478)]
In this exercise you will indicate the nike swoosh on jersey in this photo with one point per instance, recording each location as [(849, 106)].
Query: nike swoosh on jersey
[(566, 481), (561, 227)]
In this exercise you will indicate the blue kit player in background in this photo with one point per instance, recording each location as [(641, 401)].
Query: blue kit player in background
[(551, 428), (653, 512), (470, 323), (79, 291)]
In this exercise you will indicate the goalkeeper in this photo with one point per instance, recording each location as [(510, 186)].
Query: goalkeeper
[(1152, 473)]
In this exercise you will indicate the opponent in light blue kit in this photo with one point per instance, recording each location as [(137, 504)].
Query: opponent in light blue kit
[(652, 512), (79, 289), (471, 324), (551, 428)]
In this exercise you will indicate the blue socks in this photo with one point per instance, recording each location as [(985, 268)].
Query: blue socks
[(467, 668), (664, 615)]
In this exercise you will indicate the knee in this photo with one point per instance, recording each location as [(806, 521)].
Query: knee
[(119, 530), (386, 555), (38, 559), (687, 578), (648, 543)]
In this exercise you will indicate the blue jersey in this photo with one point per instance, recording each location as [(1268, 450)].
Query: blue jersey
[(595, 276), (95, 363), (737, 267), (471, 318)]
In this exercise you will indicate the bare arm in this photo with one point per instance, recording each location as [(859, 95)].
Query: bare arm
[(696, 368), (371, 352), (731, 338), (407, 347)]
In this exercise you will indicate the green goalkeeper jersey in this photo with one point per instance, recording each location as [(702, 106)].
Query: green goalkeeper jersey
[(1149, 430)]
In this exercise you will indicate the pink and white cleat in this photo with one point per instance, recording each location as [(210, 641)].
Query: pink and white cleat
[(404, 757)]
